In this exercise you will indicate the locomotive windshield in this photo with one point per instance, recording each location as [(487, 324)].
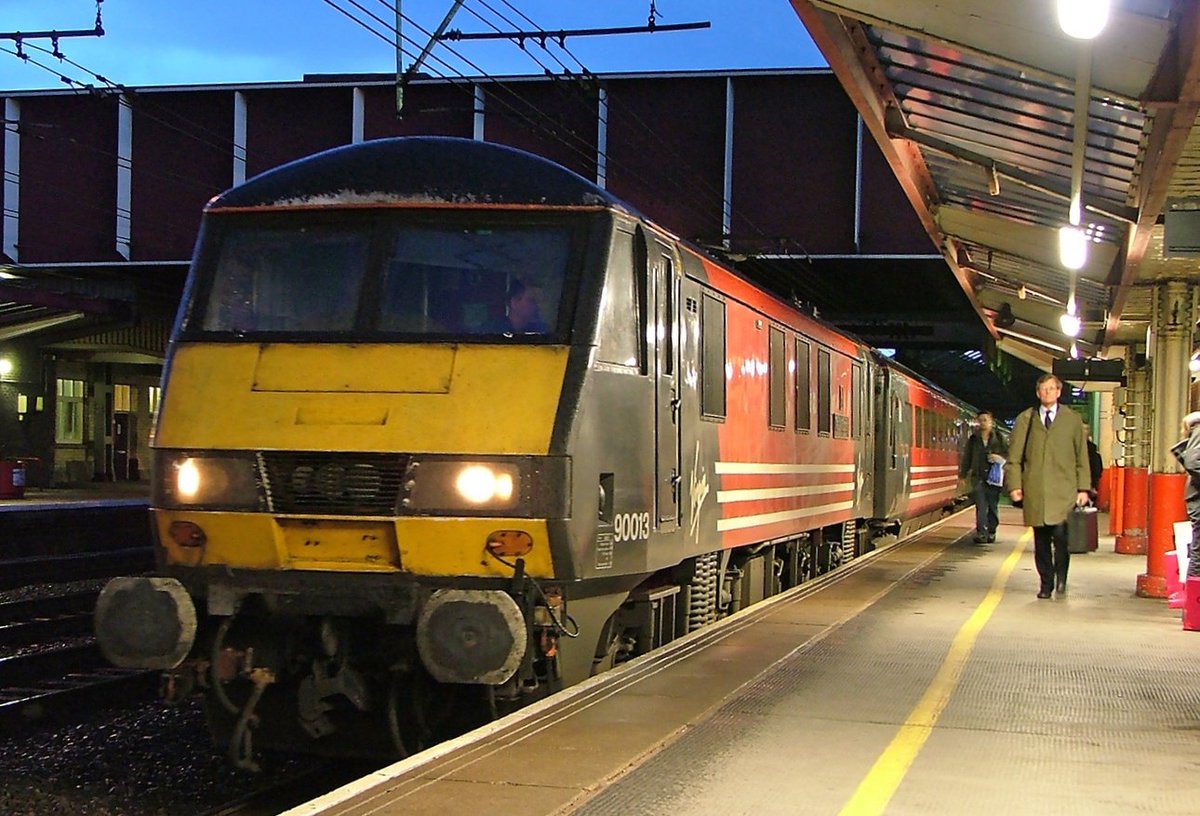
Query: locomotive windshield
[(468, 280)]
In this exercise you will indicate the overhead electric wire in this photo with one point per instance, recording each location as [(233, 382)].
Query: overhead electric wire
[(218, 142), (591, 149), (586, 150), (48, 135), (492, 82), (799, 269)]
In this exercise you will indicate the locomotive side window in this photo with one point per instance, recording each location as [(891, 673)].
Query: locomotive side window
[(667, 331), (856, 401), (621, 307), (712, 369), (777, 365), (824, 395), (803, 389)]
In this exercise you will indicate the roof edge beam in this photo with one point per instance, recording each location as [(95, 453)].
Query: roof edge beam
[(31, 296), (33, 326), (844, 45)]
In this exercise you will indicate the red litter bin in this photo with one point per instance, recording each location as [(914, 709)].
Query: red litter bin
[(12, 479)]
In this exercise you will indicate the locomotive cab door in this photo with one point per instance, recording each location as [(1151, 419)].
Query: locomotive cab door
[(664, 281)]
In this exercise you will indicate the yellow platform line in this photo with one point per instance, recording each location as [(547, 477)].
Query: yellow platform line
[(885, 776)]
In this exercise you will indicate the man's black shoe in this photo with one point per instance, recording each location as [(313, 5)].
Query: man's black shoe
[(991, 539), (1044, 594), (1061, 587)]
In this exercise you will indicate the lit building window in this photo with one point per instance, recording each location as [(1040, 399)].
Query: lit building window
[(122, 397), (68, 420)]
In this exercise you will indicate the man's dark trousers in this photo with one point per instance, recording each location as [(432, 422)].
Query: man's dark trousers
[(1051, 563)]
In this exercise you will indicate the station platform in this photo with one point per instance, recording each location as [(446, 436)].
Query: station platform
[(97, 494), (925, 678)]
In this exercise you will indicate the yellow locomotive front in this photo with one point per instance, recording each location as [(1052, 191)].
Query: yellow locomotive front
[(362, 494)]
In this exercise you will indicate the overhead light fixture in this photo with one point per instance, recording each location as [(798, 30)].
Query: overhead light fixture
[(1072, 247), (6, 366), (1194, 363), (1083, 19), (1070, 324)]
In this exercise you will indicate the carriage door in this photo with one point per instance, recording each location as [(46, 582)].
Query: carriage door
[(665, 277)]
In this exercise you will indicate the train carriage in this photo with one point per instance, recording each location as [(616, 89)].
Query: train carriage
[(445, 427)]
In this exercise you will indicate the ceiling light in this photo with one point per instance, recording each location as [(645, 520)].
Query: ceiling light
[(1072, 247), (1070, 324), (6, 367), (1082, 19), (1194, 364)]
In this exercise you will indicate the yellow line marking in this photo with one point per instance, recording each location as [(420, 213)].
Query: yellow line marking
[(885, 776)]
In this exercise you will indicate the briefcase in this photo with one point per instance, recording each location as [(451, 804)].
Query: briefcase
[(1083, 532)]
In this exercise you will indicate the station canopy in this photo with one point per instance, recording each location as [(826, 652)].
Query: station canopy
[(994, 121)]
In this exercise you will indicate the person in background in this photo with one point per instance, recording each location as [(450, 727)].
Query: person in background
[(1048, 474), (1187, 451), (984, 447), (1095, 463), (524, 311)]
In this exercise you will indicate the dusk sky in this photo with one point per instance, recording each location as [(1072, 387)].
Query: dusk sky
[(168, 42)]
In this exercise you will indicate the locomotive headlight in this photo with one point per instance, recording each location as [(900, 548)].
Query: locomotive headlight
[(445, 485), (509, 486), (187, 480), (225, 481), (481, 484)]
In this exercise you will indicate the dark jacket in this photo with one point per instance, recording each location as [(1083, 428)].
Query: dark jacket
[(974, 463), (1187, 451)]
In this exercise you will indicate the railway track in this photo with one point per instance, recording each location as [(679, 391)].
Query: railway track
[(50, 666), (294, 789), (19, 572)]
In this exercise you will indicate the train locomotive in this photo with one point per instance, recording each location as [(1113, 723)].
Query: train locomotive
[(446, 427)]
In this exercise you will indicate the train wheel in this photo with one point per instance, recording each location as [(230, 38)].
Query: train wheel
[(421, 711), (616, 645)]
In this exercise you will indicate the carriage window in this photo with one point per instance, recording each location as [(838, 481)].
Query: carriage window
[(712, 371), (824, 396), (777, 366), (620, 309), (298, 280), (803, 391)]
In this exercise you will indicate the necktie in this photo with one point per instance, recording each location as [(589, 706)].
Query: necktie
[(1047, 416)]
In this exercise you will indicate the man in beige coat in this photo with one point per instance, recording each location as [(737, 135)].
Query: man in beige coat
[(1048, 471)]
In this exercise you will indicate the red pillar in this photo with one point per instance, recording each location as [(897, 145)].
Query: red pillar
[(1104, 491), (1166, 508), (1116, 508), (1132, 540)]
